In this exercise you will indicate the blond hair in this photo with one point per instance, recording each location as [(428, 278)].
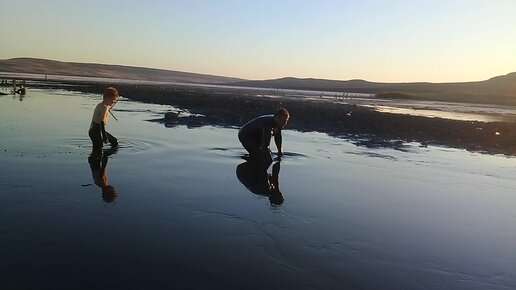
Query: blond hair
[(110, 92)]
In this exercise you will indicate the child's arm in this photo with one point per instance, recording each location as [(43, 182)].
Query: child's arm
[(103, 132), (279, 140), (103, 124)]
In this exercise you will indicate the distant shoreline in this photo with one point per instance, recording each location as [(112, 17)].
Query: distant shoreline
[(95, 80), (358, 124), (500, 90), (311, 111)]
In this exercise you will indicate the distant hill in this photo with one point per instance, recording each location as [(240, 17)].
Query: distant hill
[(497, 90), (501, 85), (52, 67)]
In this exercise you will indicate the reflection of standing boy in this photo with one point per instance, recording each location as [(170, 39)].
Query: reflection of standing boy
[(97, 132), (100, 176)]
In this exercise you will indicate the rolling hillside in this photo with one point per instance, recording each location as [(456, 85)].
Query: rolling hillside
[(43, 66), (497, 90), (502, 85)]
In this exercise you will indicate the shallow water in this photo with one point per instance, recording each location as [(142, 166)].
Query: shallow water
[(440, 114), (462, 112), (188, 213), (444, 110)]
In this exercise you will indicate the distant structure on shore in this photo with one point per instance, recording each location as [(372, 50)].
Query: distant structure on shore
[(16, 89)]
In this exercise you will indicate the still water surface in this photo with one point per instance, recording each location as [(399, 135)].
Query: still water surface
[(186, 213)]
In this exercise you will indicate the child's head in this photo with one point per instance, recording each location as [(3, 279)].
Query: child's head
[(110, 95), (109, 193), (281, 116)]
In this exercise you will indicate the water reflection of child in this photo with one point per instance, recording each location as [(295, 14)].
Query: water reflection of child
[(100, 175), (255, 178), (21, 91), (275, 195), (97, 131)]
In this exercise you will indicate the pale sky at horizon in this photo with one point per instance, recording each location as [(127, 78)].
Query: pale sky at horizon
[(384, 41)]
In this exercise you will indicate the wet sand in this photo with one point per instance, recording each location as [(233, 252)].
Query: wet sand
[(189, 213)]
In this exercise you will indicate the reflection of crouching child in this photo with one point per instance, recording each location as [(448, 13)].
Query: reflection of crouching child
[(97, 132), (256, 179)]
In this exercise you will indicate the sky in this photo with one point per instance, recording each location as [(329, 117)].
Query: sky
[(385, 41)]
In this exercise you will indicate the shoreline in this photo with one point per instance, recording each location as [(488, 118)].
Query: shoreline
[(362, 125)]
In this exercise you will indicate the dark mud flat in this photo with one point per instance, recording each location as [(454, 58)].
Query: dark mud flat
[(190, 213), (361, 125)]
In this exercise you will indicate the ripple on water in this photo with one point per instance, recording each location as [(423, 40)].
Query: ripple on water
[(79, 142), (232, 152), (237, 152), (127, 145), (294, 155), (136, 145), (373, 155)]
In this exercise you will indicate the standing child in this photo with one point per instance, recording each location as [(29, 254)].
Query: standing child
[(97, 132)]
